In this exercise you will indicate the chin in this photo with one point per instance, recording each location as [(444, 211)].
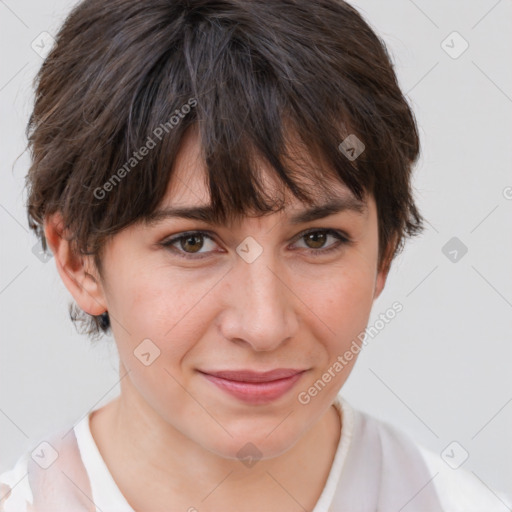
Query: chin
[(248, 444)]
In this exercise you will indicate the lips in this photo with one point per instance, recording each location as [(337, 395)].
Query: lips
[(251, 376), (255, 387)]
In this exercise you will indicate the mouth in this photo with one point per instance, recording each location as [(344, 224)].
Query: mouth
[(255, 387)]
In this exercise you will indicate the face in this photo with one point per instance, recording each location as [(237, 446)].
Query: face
[(189, 300)]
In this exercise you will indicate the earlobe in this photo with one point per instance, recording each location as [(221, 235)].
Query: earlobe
[(380, 282), (78, 272)]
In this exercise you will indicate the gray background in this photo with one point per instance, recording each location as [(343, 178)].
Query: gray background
[(441, 369)]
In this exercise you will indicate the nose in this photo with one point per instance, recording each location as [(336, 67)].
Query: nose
[(259, 304)]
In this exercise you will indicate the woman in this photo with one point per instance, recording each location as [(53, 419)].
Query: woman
[(224, 185)]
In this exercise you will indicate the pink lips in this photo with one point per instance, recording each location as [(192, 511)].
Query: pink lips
[(255, 387)]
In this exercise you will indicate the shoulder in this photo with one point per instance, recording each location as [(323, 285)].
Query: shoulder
[(456, 489), (462, 490), (50, 476), (15, 492)]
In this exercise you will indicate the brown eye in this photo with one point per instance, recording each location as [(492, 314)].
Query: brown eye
[(316, 239), (193, 242)]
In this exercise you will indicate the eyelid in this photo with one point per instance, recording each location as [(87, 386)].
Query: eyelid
[(169, 242), (331, 231), (343, 240), (342, 237)]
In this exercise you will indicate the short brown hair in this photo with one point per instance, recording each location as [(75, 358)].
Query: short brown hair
[(246, 73)]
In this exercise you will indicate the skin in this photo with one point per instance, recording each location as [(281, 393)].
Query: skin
[(173, 437)]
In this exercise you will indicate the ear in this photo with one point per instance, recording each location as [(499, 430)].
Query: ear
[(78, 272), (382, 274)]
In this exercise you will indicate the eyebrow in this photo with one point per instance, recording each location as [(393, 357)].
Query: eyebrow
[(207, 214)]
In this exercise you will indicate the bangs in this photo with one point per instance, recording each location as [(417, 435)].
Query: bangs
[(248, 108)]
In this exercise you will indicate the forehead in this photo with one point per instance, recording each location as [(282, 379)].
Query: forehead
[(189, 186)]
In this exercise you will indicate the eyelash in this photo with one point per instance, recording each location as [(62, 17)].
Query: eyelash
[(343, 240)]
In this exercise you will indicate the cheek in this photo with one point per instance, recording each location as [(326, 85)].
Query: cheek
[(341, 311), (163, 305), (343, 306)]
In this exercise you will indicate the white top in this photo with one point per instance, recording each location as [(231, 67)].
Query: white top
[(376, 467)]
